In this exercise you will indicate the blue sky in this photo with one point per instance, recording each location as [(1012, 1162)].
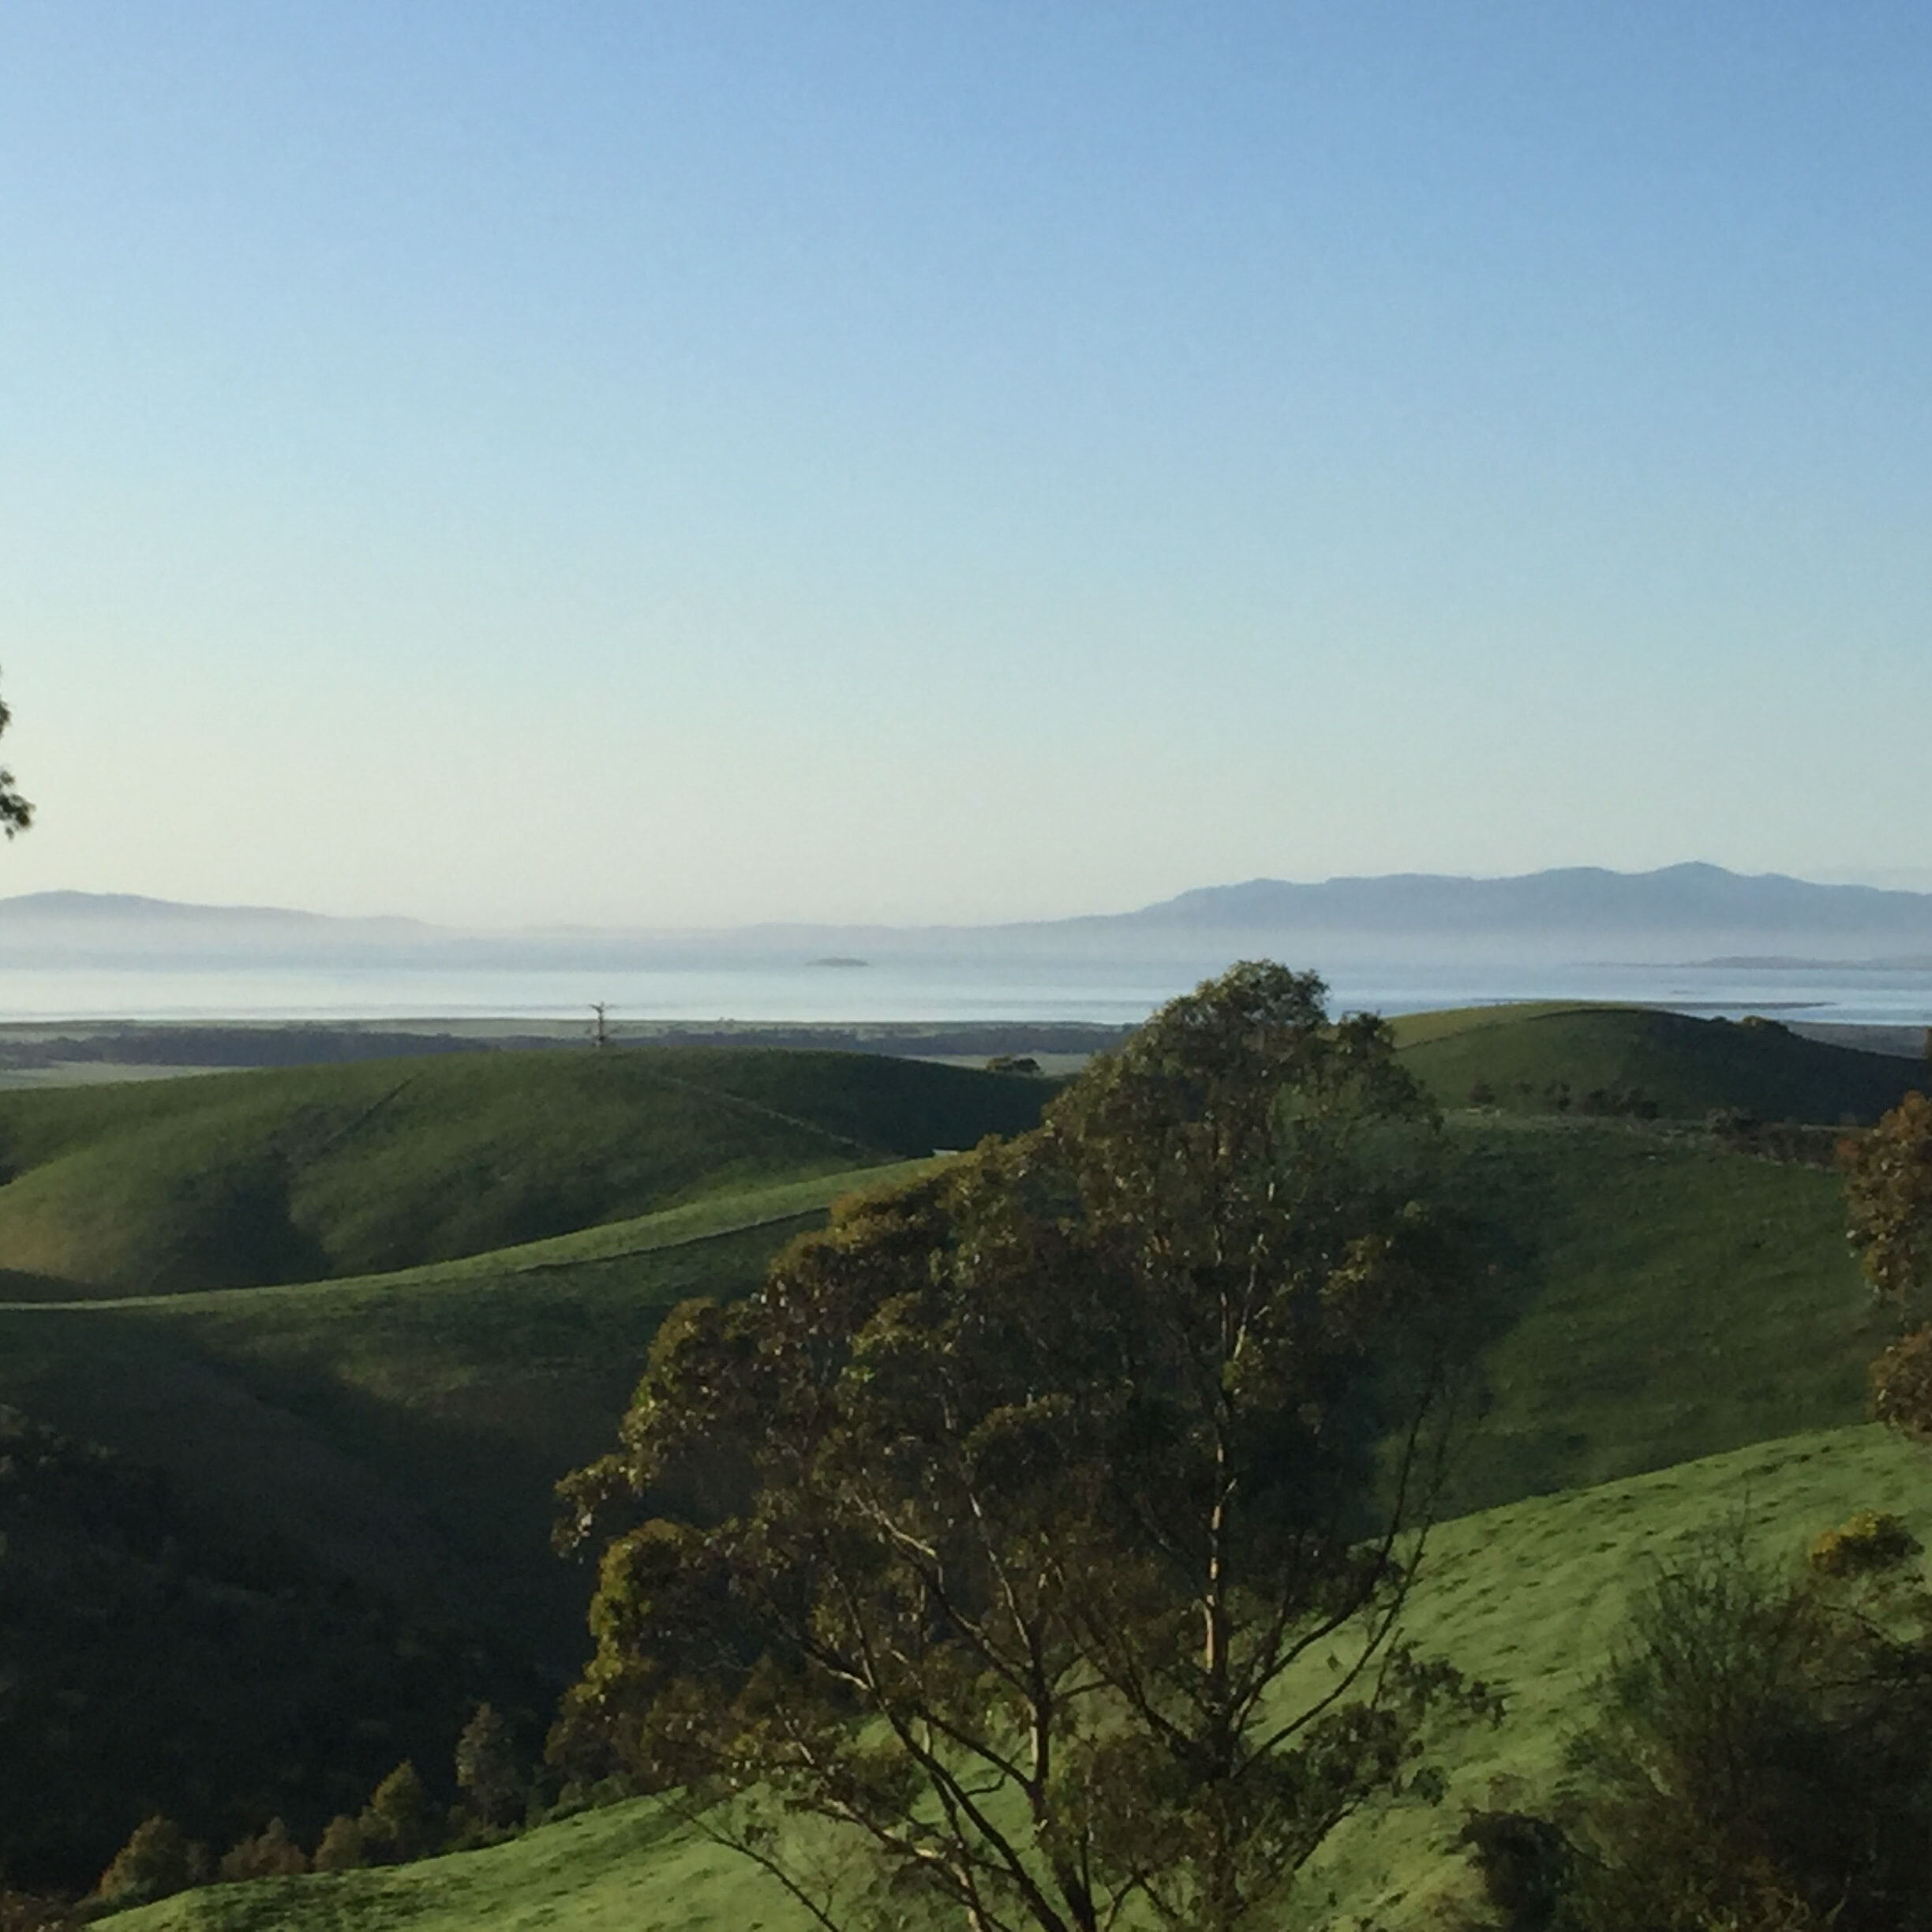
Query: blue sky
[(690, 464)]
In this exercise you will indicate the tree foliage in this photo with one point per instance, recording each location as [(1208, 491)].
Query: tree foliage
[(158, 1860), (1029, 1548), (16, 813), (272, 1853), (487, 1776), (1888, 1184)]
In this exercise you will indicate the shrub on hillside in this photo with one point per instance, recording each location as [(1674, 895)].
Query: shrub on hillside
[(1865, 1544), (1901, 1384), (1527, 1865), (1759, 1760)]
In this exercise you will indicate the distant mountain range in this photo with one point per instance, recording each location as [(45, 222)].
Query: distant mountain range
[(1576, 900), (1681, 913)]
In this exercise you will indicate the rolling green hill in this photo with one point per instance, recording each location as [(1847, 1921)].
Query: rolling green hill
[(308, 1173), (325, 1535), (1655, 1298), (1526, 1597), (1611, 1059), (404, 1430), (393, 1437)]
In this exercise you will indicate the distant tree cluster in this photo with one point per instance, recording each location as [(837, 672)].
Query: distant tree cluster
[(400, 1822), (1739, 1131), (1559, 1096)]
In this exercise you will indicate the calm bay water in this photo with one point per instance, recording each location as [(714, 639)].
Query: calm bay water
[(936, 990)]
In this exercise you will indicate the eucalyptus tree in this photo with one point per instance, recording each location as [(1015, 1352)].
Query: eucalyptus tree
[(1029, 1550)]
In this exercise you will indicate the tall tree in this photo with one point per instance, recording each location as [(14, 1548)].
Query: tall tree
[(1030, 1547)]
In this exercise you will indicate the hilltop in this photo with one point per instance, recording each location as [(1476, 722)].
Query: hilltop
[(1609, 1060)]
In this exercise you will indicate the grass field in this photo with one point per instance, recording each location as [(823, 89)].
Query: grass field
[(298, 1174), (1657, 1298)]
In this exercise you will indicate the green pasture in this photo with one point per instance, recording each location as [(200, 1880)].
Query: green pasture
[(1653, 1298), (301, 1174)]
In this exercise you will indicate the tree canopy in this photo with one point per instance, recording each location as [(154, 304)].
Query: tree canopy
[(1888, 1181), (1029, 1548)]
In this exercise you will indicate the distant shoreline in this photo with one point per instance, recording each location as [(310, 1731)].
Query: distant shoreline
[(86, 1052)]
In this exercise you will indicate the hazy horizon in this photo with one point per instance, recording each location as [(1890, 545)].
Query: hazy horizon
[(643, 466), (1232, 904)]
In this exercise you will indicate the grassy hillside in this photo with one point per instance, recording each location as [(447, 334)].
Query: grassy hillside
[(404, 1430), (1656, 1297), (308, 1173), (1653, 1297), (325, 1535), (1527, 1597), (1609, 1059)]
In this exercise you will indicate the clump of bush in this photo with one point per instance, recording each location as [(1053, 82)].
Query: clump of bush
[(1864, 1544), (1739, 1131), (1757, 1762), (35, 1912), (1527, 1864)]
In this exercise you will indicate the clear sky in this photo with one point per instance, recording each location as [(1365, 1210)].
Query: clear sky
[(684, 464)]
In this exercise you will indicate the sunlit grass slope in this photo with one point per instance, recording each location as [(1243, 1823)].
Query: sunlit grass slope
[(1528, 1056), (306, 1172), (1528, 1597)]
